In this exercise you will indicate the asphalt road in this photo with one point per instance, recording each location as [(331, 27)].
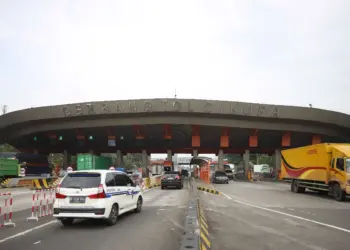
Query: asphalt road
[(158, 226), (269, 216), (22, 198)]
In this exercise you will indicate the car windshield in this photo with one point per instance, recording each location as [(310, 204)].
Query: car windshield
[(220, 174), (81, 180), (348, 165)]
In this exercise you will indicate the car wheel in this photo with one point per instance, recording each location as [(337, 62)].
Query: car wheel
[(67, 221), (162, 187), (138, 205), (113, 216)]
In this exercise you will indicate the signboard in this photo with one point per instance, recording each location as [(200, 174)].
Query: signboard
[(111, 143), (23, 172)]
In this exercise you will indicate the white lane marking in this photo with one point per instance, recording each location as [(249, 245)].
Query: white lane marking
[(205, 193), (228, 197), (38, 242), (28, 231), (293, 216)]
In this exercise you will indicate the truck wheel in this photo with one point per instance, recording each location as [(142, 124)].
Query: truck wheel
[(295, 187), (338, 194)]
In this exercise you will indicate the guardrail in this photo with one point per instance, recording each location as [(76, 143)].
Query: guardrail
[(6, 210)]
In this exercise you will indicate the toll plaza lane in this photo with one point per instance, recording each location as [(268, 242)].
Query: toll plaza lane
[(268, 216), (158, 226)]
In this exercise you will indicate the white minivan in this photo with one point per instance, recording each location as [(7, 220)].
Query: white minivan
[(96, 194)]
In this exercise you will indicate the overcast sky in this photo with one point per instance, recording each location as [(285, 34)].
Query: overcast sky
[(270, 51)]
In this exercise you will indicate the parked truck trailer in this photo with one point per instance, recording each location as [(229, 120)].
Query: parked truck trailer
[(320, 167)]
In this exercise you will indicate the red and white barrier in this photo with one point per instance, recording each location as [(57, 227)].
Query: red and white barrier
[(42, 203), (6, 210)]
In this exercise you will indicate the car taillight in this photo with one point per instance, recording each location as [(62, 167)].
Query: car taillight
[(177, 177), (58, 195), (100, 193)]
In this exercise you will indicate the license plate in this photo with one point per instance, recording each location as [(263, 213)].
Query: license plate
[(77, 199), (170, 178)]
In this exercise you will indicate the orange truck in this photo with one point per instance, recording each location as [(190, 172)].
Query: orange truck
[(321, 167)]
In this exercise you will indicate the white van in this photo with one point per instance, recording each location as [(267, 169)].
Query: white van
[(96, 194)]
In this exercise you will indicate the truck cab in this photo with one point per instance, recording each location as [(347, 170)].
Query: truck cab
[(339, 176)]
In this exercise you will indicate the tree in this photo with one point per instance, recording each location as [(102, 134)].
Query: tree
[(132, 161), (233, 158), (7, 148)]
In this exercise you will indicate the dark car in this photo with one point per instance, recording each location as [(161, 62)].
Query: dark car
[(229, 174), (220, 177), (171, 179)]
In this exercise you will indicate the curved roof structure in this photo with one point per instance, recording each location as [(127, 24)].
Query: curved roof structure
[(174, 111)]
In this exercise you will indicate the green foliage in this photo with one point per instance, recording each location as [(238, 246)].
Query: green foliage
[(7, 148), (233, 158), (254, 158), (55, 159), (132, 161)]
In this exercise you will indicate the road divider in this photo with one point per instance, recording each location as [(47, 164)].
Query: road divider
[(191, 234), (5, 183), (204, 239), (42, 203), (150, 182), (6, 210), (208, 190)]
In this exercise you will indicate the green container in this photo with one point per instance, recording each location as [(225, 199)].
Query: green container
[(91, 162), (9, 168)]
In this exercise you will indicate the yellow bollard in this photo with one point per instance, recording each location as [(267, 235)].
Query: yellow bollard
[(148, 182)]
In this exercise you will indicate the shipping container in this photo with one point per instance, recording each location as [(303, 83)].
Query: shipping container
[(90, 162), (9, 168)]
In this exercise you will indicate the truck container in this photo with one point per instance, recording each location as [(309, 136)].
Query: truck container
[(9, 168), (320, 167), (91, 162)]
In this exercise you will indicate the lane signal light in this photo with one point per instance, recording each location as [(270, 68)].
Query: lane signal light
[(35, 138), (91, 137), (60, 138)]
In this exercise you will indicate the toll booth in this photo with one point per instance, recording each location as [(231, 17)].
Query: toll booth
[(203, 172), (168, 166)]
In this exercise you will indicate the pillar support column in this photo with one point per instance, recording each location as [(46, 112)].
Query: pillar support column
[(66, 159), (246, 161), (169, 155), (120, 160), (277, 161), (221, 159)]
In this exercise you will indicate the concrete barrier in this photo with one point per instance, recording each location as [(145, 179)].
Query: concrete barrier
[(208, 190), (191, 236), (204, 239)]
